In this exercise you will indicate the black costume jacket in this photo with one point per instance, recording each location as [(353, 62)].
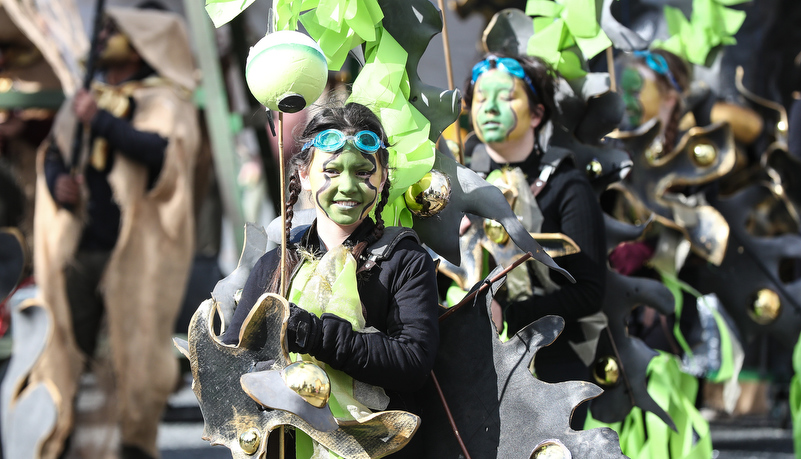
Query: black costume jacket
[(399, 299)]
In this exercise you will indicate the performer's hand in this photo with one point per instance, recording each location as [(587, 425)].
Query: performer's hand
[(84, 106), (67, 189), (302, 330), (464, 225)]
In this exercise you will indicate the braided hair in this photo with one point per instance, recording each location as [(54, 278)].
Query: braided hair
[(351, 118)]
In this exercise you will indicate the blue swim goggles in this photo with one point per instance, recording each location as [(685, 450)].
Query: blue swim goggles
[(333, 140), (658, 64), (507, 64)]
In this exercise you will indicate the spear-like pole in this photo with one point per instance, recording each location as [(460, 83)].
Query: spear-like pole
[(282, 266), (77, 139), (449, 70)]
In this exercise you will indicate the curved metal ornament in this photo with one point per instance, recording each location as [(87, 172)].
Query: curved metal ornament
[(502, 410), (653, 177), (623, 294), (754, 259)]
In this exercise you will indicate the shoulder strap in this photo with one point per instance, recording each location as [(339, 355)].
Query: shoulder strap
[(383, 248), (551, 159)]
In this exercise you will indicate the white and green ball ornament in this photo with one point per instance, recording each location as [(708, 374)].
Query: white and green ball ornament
[(286, 71)]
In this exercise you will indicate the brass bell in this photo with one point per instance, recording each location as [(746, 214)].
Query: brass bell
[(606, 371), (704, 154), (309, 381), (430, 195), (594, 169), (495, 232), (250, 440), (551, 449), (765, 306)]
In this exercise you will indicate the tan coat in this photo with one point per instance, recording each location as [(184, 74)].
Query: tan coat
[(144, 281)]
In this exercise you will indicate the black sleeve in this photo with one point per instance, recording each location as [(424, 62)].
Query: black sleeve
[(578, 215), (146, 148), (255, 286), (399, 359), (53, 167)]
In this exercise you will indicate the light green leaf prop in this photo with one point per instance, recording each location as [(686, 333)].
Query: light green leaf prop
[(711, 24), (566, 33), (795, 397), (223, 11), (645, 436), (382, 84)]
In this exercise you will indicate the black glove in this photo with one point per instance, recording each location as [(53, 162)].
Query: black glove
[(303, 330)]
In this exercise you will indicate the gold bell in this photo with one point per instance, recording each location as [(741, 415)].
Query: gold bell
[(495, 232), (765, 307), (309, 381), (430, 195), (551, 449), (250, 440), (606, 371), (594, 169), (704, 154)]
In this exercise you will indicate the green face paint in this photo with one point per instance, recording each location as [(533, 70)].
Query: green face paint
[(640, 94), (345, 185), (500, 109)]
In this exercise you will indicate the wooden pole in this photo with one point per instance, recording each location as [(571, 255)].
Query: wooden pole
[(282, 267), (610, 65), (449, 71)]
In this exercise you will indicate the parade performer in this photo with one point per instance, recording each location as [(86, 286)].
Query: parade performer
[(510, 100), (114, 231), (339, 289)]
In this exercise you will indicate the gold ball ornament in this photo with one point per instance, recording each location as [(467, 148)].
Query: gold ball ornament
[(606, 371), (765, 306), (250, 440), (594, 169), (551, 449), (286, 71), (704, 154), (309, 381), (495, 232), (430, 195)]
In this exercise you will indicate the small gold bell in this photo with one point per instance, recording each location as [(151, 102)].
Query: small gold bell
[(430, 195), (765, 307), (606, 371)]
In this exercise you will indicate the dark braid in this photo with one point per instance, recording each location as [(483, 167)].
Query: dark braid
[(672, 129), (293, 187), (378, 231)]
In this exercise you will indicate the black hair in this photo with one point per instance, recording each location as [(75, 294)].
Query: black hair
[(350, 118), (680, 73), (543, 78)]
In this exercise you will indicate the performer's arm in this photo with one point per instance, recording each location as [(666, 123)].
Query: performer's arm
[(581, 218), (399, 359), (63, 187)]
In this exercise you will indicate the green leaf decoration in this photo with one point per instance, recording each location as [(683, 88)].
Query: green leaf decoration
[(222, 12), (644, 435), (795, 396), (382, 84), (566, 34), (712, 24)]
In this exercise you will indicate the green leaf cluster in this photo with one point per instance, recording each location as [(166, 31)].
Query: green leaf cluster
[(711, 24), (566, 33)]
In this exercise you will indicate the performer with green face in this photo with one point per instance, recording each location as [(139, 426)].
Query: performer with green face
[(363, 297), (511, 99)]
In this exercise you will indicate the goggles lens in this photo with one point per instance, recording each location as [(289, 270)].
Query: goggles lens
[(507, 64), (332, 140), (658, 64)]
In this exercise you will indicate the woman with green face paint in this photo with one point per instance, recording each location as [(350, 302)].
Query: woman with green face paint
[(651, 85), (511, 99), (358, 312)]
